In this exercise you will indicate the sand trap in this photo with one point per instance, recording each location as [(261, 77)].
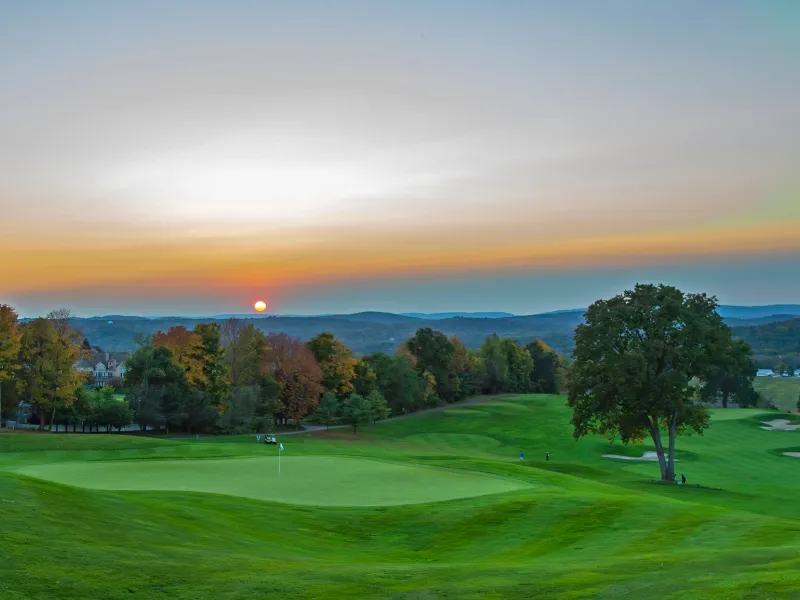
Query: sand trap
[(651, 456), (779, 425), (792, 454)]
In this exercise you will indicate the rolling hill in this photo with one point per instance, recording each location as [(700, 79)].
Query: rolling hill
[(774, 342), (116, 516), (367, 332)]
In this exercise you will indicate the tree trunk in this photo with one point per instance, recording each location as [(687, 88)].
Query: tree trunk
[(725, 399), (52, 418), (655, 433), (673, 431)]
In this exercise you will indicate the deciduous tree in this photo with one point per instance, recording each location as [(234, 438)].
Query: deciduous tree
[(214, 383), (732, 376), (231, 333), (434, 353), (549, 372), (156, 371), (48, 349), (336, 362), (293, 366), (187, 351), (10, 337), (366, 380), (635, 357)]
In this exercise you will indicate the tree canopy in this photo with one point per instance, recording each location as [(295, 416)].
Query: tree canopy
[(635, 358)]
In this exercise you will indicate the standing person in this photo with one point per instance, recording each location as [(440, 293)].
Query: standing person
[(521, 457), (683, 479), (547, 456), (258, 437)]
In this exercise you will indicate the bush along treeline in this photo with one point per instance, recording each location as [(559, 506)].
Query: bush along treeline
[(233, 378)]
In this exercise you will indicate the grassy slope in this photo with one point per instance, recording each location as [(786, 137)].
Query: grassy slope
[(782, 391), (589, 526)]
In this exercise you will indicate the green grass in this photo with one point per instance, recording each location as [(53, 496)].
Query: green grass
[(781, 391), (312, 480), (577, 526)]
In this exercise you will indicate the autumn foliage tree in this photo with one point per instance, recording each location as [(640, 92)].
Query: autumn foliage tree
[(293, 366), (9, 346), (48, 350), (336, 362), (187, 351)]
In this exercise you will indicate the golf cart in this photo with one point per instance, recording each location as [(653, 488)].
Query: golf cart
[(270, 439)]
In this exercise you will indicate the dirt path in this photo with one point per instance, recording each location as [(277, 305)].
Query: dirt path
[(475, 400)]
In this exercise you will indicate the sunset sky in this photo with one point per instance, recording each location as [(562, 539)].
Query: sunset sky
[(191, 157)]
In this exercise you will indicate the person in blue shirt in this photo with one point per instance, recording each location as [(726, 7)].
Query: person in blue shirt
[(521, 456)]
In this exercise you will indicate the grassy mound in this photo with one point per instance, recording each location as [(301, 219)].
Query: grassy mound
[(309, 480)]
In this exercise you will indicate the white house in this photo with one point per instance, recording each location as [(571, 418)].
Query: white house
[(103, 365), (764, 373)]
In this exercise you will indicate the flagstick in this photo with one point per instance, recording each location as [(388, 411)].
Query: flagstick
[(279, 460)]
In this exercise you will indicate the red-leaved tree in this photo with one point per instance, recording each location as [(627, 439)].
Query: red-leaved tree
[(292, 364)]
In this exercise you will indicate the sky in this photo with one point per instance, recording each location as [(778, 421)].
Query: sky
[(191, 157)]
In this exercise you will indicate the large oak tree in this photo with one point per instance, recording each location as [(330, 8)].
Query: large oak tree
[(635, 358)]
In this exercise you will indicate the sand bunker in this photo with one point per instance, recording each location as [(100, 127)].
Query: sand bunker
[(779, 425), (651, 456), (792, 454)]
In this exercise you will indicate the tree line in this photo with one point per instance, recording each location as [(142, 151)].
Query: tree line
[(233, 378), (775, 346), (647, 363)]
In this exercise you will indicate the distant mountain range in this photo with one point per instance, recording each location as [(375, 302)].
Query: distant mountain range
[(367, 332)]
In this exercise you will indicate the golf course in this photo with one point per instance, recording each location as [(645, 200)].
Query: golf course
[(433, 506)]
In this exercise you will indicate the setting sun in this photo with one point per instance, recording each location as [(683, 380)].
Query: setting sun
[(260, 306)]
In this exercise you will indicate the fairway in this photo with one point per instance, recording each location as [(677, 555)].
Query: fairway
[(437, 505), (308, 480)]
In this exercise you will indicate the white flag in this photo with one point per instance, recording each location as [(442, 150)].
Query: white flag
[(281, 447)]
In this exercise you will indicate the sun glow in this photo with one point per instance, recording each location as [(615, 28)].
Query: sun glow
[(260, 306)]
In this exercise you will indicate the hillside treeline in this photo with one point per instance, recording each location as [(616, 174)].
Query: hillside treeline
[(233, 378), (775, 345)]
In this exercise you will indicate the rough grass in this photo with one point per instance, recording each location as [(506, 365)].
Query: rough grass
[(587, 527), (781, 391)]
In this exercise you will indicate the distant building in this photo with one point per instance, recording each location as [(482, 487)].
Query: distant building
[(797, 373), (764, 373), (24, 412), (103, 366)]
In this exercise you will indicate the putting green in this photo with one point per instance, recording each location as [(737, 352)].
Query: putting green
[(310, 480)]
